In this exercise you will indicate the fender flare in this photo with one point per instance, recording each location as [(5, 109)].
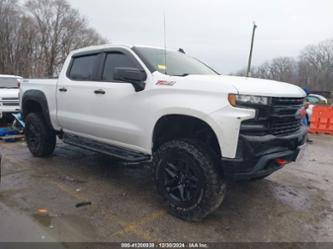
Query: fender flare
[(38, 97), (204, 118)]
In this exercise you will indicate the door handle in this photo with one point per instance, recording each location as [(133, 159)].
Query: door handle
[(63, 89), (100, 91)]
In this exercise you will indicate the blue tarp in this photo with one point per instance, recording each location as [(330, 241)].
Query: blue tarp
[(8, 131), (15, 129)]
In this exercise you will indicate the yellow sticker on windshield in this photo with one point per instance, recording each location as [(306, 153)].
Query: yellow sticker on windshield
[(161, 67)]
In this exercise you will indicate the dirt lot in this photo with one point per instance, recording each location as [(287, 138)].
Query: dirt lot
[(294, 204)]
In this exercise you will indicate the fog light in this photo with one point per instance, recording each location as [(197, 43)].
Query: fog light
[(281, 162)]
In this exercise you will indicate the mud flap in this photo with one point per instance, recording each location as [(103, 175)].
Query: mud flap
[(301, 152)]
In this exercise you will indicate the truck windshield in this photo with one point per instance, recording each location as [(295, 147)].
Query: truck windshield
[(172, 62), (8, 83)]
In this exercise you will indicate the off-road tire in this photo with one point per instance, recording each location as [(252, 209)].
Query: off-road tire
[(201, 160), (40, 137)]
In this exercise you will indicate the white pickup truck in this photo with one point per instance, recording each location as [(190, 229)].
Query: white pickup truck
[(198, 129), (9, 99)]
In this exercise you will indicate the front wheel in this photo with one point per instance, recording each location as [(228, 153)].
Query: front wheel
[(187, 177), (41, 139)]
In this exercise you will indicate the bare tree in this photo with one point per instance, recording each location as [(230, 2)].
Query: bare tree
[(316, 66), (263, 71), (25, 57), (313, 69), (35, 39), (9, 26), (60, 29), (281, 69)]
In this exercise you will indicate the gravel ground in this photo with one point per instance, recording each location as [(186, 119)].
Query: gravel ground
[(119, 202)]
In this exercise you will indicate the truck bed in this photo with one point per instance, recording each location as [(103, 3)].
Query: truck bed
[(48, 87)]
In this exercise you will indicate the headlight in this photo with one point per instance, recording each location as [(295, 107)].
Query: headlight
[(238, 100)]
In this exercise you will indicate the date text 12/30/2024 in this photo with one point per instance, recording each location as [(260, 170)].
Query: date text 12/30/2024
[(165, 245)]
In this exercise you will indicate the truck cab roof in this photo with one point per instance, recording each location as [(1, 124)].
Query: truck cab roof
[(115, 45)]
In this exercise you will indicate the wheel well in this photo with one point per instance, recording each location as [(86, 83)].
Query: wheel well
[(31, 106), (179, 126)]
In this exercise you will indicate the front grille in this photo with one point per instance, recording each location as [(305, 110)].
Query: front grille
[(281, 117), (288, 101), (10, 104), (285, 126), (285, 117), (10, 99)]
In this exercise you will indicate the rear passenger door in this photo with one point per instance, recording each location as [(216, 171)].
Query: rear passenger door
[(75, 93)]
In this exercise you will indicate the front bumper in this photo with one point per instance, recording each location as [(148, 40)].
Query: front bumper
[(8, 109), (257, 155)]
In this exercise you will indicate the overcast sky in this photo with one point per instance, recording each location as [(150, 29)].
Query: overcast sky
[(215, 31)]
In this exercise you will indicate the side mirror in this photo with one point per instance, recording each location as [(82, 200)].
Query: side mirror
[(133, 75)]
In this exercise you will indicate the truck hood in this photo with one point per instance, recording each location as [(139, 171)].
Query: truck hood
[(240, 85), (261, 87), (9, 93)]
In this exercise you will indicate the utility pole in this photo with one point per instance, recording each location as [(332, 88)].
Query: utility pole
[(165, 44), (251, 50)]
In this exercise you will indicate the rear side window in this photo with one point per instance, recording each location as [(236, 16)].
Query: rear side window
[(114, 60), (83, 67)]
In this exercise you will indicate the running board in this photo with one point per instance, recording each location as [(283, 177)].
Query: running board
[(111, 150)]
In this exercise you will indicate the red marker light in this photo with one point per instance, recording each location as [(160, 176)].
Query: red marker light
[(281, 162)]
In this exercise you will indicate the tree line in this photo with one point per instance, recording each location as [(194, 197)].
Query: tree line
[(36, 37), (312, 69)]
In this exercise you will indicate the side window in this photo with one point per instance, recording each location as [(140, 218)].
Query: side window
[(83, 67), (114, 60)]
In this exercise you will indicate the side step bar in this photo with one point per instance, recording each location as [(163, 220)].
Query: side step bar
[(89, 144)]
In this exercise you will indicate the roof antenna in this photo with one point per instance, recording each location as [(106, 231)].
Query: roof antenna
[(165, 45)]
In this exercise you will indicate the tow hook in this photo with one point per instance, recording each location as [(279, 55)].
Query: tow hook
[(281, 162)]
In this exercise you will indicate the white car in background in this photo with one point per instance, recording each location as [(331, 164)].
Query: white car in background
[(313, 100), (9, 94)]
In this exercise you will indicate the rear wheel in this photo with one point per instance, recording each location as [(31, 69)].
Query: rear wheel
[(41, 138), (187, 177)]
